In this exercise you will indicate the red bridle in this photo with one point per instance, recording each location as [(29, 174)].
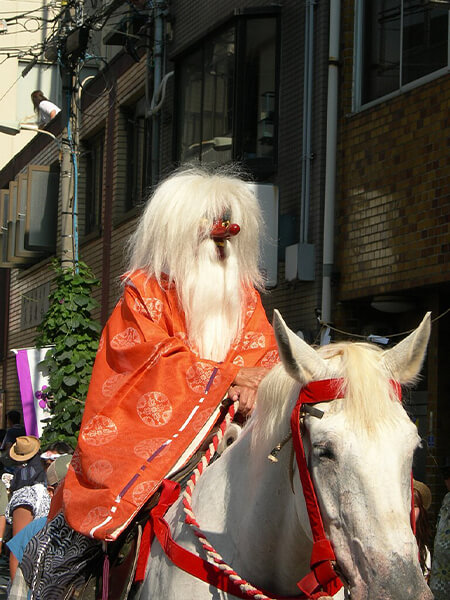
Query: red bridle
[(322, 575)]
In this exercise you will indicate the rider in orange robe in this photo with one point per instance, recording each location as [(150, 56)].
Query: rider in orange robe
[(160, 374)]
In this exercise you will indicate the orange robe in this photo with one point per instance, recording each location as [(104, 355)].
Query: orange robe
[(152, 400)]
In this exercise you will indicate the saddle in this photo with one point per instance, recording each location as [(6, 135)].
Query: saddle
[(123, 554)]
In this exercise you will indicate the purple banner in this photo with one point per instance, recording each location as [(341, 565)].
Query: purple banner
[(26, 393), (32, 382)]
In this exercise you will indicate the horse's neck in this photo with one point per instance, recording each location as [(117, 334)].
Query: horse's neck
[(246, 506)]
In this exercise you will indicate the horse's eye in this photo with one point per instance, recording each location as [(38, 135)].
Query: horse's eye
[(324, 451)]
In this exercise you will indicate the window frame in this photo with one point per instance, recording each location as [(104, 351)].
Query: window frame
[(358, 52), (260, 167), (132, 200)]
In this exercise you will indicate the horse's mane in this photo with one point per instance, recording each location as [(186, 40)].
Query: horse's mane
[(370, 401)]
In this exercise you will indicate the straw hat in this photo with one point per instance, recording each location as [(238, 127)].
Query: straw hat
[(24, 448), (424, 492)]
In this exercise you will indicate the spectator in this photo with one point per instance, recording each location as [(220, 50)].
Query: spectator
[(422, 503), (14, 429), (45, 109), (30, 498), (3, 505), (55, 474), (440, 571), (54, 451)]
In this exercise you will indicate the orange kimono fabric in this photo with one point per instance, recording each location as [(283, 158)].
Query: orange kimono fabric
[(152, 400)]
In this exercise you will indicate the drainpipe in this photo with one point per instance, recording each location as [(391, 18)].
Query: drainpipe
[(330, 173), (108, 215), (307, 110), (158, 52)]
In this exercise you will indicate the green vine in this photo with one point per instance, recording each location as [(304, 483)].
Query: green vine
[(74, 335)]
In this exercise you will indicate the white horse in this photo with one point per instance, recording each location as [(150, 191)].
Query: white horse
[(360, 455)]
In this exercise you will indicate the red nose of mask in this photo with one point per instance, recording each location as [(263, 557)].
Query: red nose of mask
[(223, 231)]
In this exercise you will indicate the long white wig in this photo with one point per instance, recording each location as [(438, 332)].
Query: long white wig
[(173, 238)]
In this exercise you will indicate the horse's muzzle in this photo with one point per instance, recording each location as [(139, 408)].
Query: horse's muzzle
[(397, 586)]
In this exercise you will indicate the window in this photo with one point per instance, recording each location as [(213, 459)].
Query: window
[(41, 213), (43, 77), (207, 86), (4, 310), (228, 95), (400, 41), (259, 77), (93, 155), (137, 128)]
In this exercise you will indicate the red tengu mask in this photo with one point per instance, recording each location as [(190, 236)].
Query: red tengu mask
[(221, 231)]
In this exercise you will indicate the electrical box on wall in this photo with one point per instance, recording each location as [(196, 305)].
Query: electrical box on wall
[(300, 260), (267, 195)]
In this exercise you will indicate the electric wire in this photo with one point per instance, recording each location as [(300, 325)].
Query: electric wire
[(324, 324)]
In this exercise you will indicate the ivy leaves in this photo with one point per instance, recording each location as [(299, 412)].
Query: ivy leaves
[(73, 335)]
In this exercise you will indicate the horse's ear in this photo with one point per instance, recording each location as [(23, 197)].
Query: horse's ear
[(405, 359), (300, 360)]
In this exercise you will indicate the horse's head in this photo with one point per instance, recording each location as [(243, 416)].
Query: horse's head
[(360, 457)]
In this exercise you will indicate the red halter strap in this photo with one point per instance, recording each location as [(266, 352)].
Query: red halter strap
[(322, 580)]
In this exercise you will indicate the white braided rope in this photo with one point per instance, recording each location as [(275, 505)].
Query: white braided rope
[(212, 554)]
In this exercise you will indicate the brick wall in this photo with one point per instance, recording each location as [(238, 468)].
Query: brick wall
[(392, 235), (394, 184)]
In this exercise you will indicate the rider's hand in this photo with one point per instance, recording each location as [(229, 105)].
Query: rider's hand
[(245, 386), (246, 397), (250, 377)]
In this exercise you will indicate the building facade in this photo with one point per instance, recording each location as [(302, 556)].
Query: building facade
[(393, 206), (25, 29), (252, 82)]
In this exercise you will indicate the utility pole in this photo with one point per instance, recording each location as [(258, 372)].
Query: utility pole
[(72, 43), (67, 229), (67, 255), (74, 38)]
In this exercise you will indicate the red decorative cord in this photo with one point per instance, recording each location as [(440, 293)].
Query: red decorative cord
[(212, 554)]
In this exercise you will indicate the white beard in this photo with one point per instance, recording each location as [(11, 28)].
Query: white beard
[(211, 296)]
